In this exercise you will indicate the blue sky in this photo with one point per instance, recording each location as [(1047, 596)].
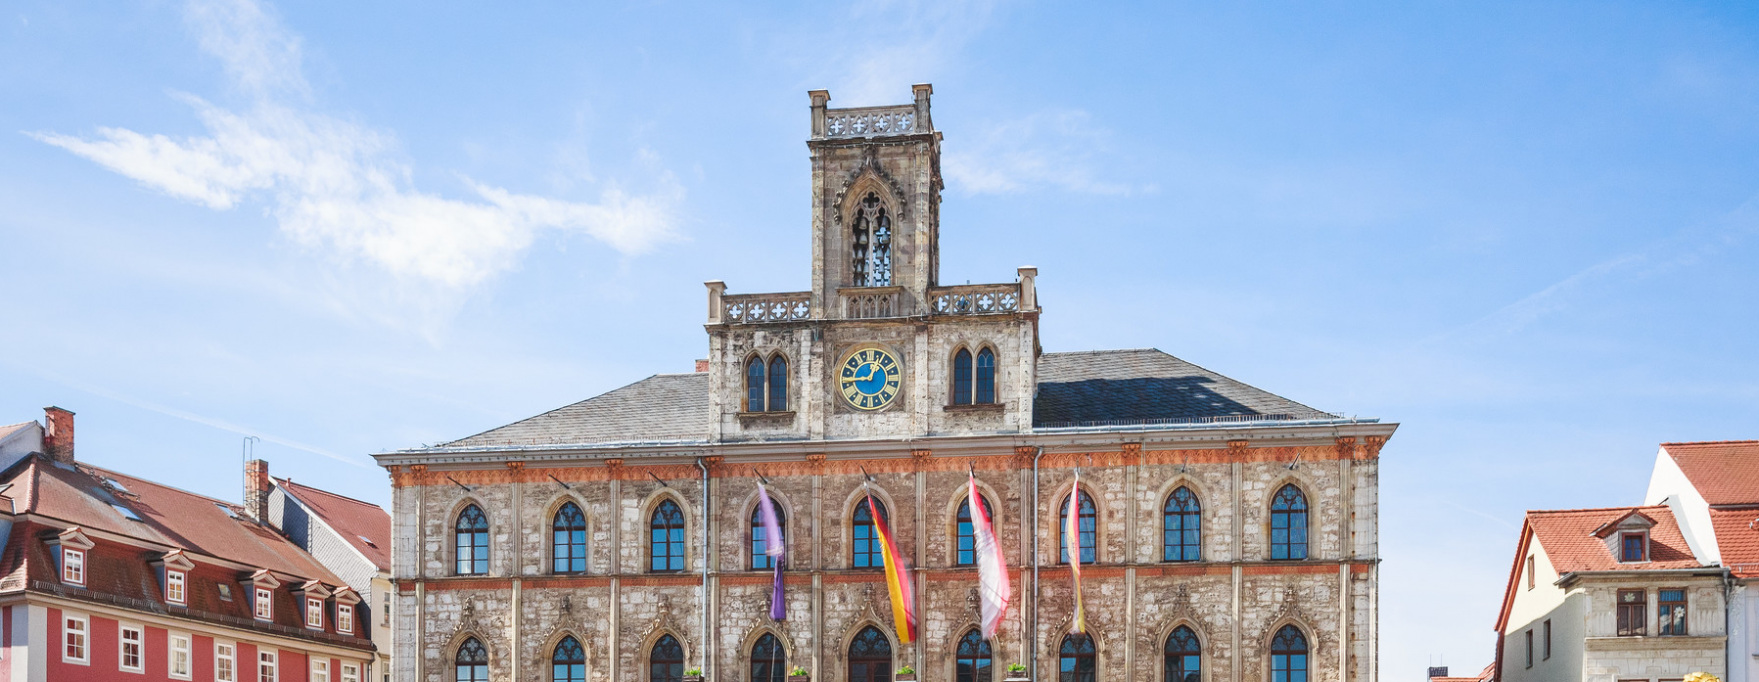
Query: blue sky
[(1525, 231)]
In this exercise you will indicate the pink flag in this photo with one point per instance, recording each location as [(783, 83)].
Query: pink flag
[(992, 567), (1072, 531), (773, 546)]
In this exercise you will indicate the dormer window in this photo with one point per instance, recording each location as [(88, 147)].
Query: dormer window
[(69, 548), (314, 613), (73, 566), (345, 619), (263, 607), (174, 586), (1633, 547)]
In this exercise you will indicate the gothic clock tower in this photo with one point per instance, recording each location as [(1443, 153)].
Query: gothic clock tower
[(877, 349)]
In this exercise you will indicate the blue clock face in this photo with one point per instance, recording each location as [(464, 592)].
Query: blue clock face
[(868, 379)]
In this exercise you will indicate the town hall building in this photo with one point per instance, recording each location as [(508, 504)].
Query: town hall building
[(1227, 534)]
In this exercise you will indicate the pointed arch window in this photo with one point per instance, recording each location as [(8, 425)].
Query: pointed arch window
[(760, 559), (1088, 518), (868, 552), (974, 381), (666, 538), (871, 244), (568, 661), (568, 540), (766, 384), (769, 663), (1288, 524), (665, 663), (472, 544), (1288, 655), (972, 658), (966, 541), (870, 656), (1076, 660), (1184, 656), (1181, 527), (471, 663)]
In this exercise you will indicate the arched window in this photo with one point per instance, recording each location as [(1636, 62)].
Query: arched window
[(972, 658), (760, 537), (1089, 521), (962, 377), (1181, 527), (1288, 655), (568, 540), (754, 385), (768, 662), (568, 662), (870, 252), (966, 542), (870, 656), (473, 541), (986, 377), (471, 663), (666, 662), (778, 384), (666, 543), (868, 550), (1288, 524), (1075, 661), (1184, 656)]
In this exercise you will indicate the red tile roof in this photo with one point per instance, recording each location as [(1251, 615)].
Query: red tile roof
[(1724, 472), (1737, 539), (90, 497), (363, 524), (1569, 541)]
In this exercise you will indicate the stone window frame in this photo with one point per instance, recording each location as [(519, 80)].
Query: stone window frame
[(854, 630), (644, 666), (997, 670), (451, 535), (975, 349), (767, 361), (868, 183), (645, 530), (1197, 495), (1056, 652), (1306, 485), (990, 495), (1308, 634), (783, 509), (1055, 530), (1207, 549), (554, 642), (450, 662), (551, 509), (847, 522), (1165, 632), (751, 639)]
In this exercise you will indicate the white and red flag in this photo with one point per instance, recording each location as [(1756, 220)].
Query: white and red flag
[(992, 567)]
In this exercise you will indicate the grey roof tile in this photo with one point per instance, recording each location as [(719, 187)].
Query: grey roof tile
[(1145, 384), (663, 407)]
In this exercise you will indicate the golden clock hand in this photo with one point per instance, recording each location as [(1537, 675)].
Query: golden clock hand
[(864, 377)]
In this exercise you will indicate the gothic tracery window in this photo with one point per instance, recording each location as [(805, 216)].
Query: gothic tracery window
[(965, 541), (1288, 524), (867, 550), (1288, 655), (1181, 527), (972, 658), (766, 385), (871, 249), (986, 377), (472, 544), (870, 657), (974, 382), (568, 540), (768, 662), (666, 541), (665, 663), (471, 663), (1184, 656), (760, 559), (1088, 518), (1076, 660), (568, 661)]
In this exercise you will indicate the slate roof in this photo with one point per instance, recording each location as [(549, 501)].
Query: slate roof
[(1724, 472), (1074, 389), (364, 525), (1569, 541), (1145, 384)]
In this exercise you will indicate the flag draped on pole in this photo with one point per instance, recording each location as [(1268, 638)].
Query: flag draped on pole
[(774, 547), (1072, 533), (903, 592), (992, 568)]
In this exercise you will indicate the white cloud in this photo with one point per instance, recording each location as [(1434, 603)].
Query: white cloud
[(1047, 149), (336, 186)]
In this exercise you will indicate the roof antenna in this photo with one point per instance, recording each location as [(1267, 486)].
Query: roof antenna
[(246, 450)]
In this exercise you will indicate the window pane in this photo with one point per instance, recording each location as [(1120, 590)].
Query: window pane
[(778, 384), (962, 378), (986, 377)]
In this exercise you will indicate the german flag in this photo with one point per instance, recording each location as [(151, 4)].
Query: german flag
[(898, 583)]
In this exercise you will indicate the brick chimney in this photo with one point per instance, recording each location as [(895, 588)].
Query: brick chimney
[(701, 366), (58, 436), (256, 490)]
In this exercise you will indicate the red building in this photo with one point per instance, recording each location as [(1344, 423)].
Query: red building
[(105, 576)]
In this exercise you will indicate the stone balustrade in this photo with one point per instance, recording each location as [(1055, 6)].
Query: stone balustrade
[(974, 299), (871, 121), (761, 308)]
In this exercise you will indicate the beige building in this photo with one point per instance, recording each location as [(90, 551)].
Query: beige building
[(1232, 533)]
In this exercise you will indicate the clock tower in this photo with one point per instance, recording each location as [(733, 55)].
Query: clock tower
[(876, 349)]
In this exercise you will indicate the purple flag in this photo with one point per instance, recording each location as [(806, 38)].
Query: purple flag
[(774, 547)]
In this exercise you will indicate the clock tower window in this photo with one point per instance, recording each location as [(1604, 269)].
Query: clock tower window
[(871, 250), (766, 384)]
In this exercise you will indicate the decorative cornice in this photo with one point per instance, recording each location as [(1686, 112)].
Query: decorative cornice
[(516, 465)]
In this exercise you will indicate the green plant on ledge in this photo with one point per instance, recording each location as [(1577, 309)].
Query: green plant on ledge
[(798, 671), (693, 672), (906, 670), (1016, 668)]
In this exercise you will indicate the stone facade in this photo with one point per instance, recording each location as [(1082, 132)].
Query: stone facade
[(918, 451)]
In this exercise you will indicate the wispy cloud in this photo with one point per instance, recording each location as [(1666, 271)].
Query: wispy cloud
[(1058, 149), (337, 186)]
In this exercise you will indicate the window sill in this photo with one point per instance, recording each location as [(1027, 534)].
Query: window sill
[(767, 417), (976, 407)]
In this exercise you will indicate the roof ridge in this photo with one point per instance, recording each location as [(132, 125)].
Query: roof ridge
[(152, 482), (1713, 442), (1596, 509), (1104, 350), (290, 482)]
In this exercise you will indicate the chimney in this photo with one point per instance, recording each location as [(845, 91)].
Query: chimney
[(701, 366), (58, 437), (1438, 671), (256, 490)]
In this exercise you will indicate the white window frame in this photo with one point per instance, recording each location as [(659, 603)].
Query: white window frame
[(312, 603), (345, 619), (230, 657), (267, 661), (350, 672), (262, 604), (176, 587), (140, 648), (171, 652), (85, 638), (73, 566), (320, 666)]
